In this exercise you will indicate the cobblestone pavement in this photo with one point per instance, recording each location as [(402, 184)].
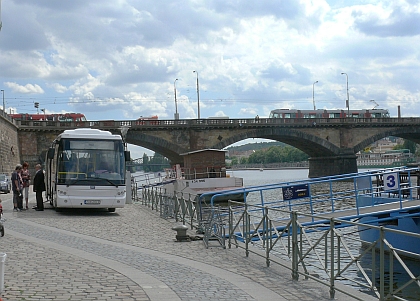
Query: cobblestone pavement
[(131, 255)]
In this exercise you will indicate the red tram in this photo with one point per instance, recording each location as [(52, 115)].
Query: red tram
[(294, 113), (152, 120), (62, 117)]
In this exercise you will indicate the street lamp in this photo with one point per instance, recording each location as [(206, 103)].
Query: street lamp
[(198, 96), (3, 102), (313, 94), (347, 101), (176, 116)]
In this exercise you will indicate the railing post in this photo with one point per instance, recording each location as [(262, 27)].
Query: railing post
[(332, 259), (153, 199), (176, 207), (230, 225), (190, 210), (295, 247), (247, 229), (391, 273), (268, 237), (381, 264)]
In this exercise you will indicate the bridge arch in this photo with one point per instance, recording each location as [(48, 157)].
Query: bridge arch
[(310, 144), (161, 146), (409, 133)]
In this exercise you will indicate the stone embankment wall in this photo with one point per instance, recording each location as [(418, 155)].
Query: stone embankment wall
[(17, 147), (33, 146), (9, 145)]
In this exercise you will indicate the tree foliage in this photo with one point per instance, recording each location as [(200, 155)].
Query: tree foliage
[(155, 163), (408, 144), (278, 154)]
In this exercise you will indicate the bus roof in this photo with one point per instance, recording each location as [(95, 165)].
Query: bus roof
[(87, 133)]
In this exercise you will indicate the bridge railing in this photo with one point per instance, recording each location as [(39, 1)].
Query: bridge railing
[(245, 122)]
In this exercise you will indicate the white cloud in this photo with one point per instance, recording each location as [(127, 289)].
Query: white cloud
[(26, 89), (119, 59), (58, 87)]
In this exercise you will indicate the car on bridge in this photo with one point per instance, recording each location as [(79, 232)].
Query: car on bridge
[(5, 183)]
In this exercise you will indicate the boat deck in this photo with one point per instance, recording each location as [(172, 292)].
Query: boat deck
[(357, 213)]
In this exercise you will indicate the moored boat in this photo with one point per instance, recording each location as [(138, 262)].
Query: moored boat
[(399, 190), (204, 174)]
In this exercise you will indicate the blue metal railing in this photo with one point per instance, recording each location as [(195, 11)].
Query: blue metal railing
[(323, 197)]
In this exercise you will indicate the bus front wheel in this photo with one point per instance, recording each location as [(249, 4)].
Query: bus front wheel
[(111, 209)]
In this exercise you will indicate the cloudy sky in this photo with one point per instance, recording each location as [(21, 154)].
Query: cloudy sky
[(123, 59)]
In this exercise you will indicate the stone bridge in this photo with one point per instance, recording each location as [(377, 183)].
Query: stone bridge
[(332, 144)]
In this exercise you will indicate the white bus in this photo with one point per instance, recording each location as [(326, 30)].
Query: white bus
[(85, 168)]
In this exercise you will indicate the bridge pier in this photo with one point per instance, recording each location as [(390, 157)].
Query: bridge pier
[(333, 165)]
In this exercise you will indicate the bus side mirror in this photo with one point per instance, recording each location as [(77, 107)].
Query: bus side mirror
[(127, 155), (50, 153)]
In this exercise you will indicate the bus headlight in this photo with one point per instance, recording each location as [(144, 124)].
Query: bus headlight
[(62, 192)]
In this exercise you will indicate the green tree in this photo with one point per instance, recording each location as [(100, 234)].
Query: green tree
[(257, 157), (277, 154), (411, 145), (145, 163), (155, 163), (158, 163), (234, 161), (408, 144)]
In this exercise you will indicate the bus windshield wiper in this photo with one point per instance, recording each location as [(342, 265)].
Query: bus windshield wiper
[(72, 182), (116, 185), (90, 179)]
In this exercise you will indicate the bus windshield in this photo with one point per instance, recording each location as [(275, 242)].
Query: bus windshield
[(91, 162)]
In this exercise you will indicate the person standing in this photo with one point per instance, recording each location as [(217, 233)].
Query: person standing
[(39, 187), (16, 188), (25, 179)]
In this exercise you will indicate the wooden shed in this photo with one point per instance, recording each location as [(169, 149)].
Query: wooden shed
[(206, 163)]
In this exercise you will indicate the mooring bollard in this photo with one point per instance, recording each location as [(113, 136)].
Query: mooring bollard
[(181, 233)]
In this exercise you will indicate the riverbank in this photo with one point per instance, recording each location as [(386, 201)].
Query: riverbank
[(268, 168)]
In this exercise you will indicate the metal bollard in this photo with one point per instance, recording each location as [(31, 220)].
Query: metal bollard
[(2, 264)]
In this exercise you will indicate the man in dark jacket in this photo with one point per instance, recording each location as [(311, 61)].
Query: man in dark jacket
[(39, 187)]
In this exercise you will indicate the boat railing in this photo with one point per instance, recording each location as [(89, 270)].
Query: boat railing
[(194, 174), (197, 173), (345, 195)]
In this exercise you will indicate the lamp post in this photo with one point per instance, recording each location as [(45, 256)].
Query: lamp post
[(198, 96), (3, 103), (176, 116), (313, 94), (347, 101)]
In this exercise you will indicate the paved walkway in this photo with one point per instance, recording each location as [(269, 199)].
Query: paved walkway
[(131, 255)]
